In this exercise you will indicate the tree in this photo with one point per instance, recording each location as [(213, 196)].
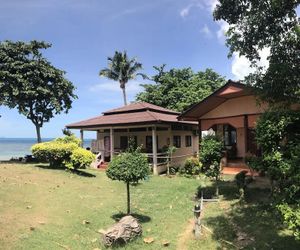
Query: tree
[(273, 24), (177, 89), (130, 167), (210, 156), (30, 83), (122, 69)]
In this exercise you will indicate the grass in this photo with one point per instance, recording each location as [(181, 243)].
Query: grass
[(43, 208)]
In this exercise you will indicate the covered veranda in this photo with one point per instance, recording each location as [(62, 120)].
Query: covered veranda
[(151, 127)]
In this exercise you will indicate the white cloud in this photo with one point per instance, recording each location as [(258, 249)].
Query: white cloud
[(185, 11), (206, 31), (223, 28), (241, 66), (132, 87)]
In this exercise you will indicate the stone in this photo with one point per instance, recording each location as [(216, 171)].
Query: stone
[(122, 232), (149, 240)]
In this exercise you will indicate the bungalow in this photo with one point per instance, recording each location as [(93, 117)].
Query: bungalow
[(231, 112), (152, 127)]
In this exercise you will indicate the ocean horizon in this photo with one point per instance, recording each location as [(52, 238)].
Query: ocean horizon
[(19, 147)]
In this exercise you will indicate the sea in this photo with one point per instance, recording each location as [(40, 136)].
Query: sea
[(19, 147)]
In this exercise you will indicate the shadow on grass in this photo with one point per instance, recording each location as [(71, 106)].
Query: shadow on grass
[(253, 224), (76, 171), (227, 189), (140, 217)]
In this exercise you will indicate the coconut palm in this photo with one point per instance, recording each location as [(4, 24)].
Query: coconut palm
[(122, 69)]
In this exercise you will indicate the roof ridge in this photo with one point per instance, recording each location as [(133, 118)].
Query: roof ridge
[(151, 114)]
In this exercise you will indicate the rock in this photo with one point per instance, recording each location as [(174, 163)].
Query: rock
[(125, 230), (84, 222), (166, 243), (148, 240)]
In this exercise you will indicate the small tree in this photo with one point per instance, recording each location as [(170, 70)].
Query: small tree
[(130, 167), (170, 151), (210, 156)]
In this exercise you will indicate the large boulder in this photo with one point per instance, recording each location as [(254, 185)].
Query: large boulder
[(125, 230)]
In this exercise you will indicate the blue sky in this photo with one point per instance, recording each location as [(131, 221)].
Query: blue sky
[(179, 33)]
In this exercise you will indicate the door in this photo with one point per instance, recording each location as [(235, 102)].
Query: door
[(106, 146), (252, 144)]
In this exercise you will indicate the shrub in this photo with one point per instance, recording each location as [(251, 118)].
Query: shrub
[(210, 155), (278, 134), (54, 152), (242, 180), (80, 158), (191, 167), (69, 139), (129, 167), (291, 217)]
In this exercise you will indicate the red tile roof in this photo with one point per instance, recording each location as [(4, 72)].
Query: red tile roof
[(132, 114)]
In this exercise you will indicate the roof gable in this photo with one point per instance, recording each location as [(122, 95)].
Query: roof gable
[(230, 90)]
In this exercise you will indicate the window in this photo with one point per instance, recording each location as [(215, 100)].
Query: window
[(123, 142), (188, 141), (149, 143), (177, 141)]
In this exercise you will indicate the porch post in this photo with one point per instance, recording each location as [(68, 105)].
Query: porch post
[(154, 150), (112, 140), (246, 133), (81, 138)]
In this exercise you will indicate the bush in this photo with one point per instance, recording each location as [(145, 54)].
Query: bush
[(242, 180), (278, 134), (291, 217), (191, 167), (54, 152), (80, 158), (210, 155), (69, 139)]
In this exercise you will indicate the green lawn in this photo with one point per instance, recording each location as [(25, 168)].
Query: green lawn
[(44, 208)]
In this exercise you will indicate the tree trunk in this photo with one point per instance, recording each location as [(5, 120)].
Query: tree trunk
[(128, 198), (217, 187), (124, 95), (38, 133)]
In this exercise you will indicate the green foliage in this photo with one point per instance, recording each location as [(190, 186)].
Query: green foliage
[(30, 83), (56, 153), (210, 155), (274, 25), (122, 69), (177, 89), (128, 167), (191, 167), (67, 132), (242, 180), (254, 162), (80, 158), (291, 216), (278, 134), (69, 139), (63, 152)]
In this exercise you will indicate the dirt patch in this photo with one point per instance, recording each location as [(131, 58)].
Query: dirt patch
[(186, 236)]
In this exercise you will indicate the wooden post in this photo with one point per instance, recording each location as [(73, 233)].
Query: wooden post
[(112, 140), (81, 138), (246, 133), (154, 151)]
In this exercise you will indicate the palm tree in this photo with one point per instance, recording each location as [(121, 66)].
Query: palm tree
[(122, 69)]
